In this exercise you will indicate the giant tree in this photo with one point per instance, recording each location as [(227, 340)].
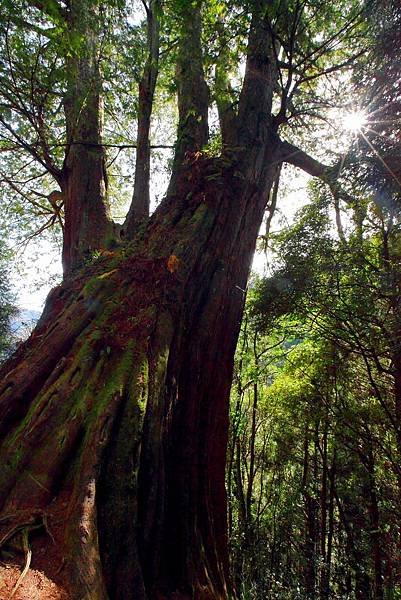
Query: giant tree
[(114, 414)]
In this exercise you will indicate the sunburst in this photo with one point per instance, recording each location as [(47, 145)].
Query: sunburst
[(354, 121)]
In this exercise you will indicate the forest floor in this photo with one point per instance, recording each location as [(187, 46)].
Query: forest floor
[(34, 586)]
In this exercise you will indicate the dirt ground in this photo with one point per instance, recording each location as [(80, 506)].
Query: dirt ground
[(34, 586)]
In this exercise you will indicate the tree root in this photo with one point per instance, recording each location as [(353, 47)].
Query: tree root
[(21, 520), (22, 523), (28, 557)]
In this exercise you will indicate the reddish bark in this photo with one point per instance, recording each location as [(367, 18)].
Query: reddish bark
[(140, 491), (83, 179), (139, 210)]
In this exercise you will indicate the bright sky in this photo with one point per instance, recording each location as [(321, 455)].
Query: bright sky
[(39, 269), (288, 204)]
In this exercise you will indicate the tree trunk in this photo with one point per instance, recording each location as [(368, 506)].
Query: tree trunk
[(193, 94), (375, 531), (330, 535), (84, 180), (139, 210), (115, 411)]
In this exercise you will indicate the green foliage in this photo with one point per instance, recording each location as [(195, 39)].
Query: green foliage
[(314, 455), (305, 255)]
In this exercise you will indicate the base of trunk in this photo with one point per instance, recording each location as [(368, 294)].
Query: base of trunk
[(115, 411)]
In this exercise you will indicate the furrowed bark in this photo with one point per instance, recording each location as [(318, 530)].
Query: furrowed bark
[(139, 209), (82, 177), (120, 440), (193, 95), (84, 180), (260, 79), (117, 405), (122, 446)]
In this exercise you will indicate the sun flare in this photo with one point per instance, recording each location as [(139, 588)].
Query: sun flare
[(354, 121)]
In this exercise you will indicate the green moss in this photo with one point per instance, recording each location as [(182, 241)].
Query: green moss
[(83, 360), (112, 238), (86, 385), (95, 285), (115, 381), (161, 350), (143, 384), (199, 214), (199, 222)]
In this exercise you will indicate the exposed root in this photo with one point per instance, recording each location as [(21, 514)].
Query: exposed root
[(21, 521), (28, 558), (20, 524)]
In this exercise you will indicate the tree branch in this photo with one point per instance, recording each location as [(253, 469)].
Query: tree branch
[(327, 173), (23, 144), (295, 156), (47, 210), (51, 8), (119, 146), (351, 23), (328, 70)]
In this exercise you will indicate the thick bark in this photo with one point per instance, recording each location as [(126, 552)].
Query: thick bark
[(260, 79), (193, 94), (116, 410), (84, 179)]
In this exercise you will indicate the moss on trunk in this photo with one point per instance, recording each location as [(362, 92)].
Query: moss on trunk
[(117, 406)]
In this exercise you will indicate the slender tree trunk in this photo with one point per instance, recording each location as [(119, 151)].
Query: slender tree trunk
[(326, 571), (397, 411), (323, 511), (139, 210), (311, 535), (397, 397), (252, 454), (241, 495), (356, 557), (310, 510), (193, 94), (375, 533)]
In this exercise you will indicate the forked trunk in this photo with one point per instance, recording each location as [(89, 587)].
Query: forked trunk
[(114, 413)]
